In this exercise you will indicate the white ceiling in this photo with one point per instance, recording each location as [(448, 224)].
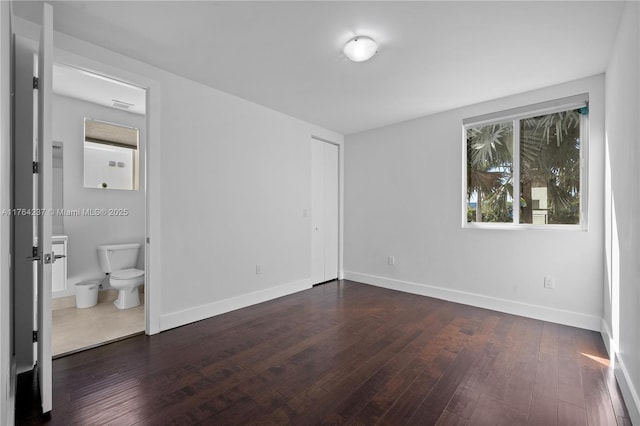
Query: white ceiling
[(433, 56)]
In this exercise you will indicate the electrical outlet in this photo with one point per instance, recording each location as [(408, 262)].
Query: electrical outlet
[(548, 283), (258, 269), (391, 260)]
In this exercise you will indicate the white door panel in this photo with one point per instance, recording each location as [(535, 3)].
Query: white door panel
[(317, 211), (24, 197), (330, 212), (324, 211)]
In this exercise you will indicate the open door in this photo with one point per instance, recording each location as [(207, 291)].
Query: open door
[(32, 197), (45, 204), (43, 210), (25, 227)]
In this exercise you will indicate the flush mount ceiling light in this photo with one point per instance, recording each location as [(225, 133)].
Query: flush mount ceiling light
[(360, 48)]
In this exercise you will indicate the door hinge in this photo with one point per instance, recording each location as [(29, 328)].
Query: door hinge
[(34, 251), (35, 336), (36, 82), (35, 166)]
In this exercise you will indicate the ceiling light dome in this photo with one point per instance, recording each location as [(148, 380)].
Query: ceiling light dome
[(360, 48)]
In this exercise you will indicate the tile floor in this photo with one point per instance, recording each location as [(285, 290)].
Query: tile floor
[(75, 329)]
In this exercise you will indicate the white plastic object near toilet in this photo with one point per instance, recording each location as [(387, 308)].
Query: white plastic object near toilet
[(87, 294), (119, 261)]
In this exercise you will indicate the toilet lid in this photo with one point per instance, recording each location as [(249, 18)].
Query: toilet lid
[(127, 274)]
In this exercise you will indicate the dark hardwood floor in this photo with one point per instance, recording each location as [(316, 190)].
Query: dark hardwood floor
[(341, 353)]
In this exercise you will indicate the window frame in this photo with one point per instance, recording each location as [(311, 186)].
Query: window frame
[(514, 116)]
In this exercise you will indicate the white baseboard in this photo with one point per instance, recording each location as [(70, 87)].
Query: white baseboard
[(627, 387), (607, 337), (628, 390), (187, 316), (559, 316)]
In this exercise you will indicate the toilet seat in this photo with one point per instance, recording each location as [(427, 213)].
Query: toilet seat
[(127, 274)]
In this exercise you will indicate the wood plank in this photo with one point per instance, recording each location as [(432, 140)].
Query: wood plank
[(438, 398), (544, 405), (569, 379), (492, 412), (377, 395), (405, 406), (571, 415), (340, 353), (597, 400)]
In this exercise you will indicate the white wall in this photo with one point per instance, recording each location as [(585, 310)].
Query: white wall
[(7, 390), (622, 277), (229, 180), (87, 232), (403, 195), (235, 182)]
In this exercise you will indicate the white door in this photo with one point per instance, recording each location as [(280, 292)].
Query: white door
[(24, 199), (33, 198), (45, 203), (324, 211)]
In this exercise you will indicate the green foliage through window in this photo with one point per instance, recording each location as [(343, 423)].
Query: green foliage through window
[(548, 176)]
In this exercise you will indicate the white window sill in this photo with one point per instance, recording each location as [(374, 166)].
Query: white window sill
[(523, 227)]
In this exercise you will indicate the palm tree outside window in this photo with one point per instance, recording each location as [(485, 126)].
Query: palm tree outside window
[(536, 154)]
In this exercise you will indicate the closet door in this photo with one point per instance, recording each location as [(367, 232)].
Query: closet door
[(324, 211)]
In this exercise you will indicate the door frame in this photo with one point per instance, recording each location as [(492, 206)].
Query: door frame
[(44, 156), (151, 187), (340, 146)]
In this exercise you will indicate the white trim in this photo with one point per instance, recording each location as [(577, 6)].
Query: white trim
[(585, 141), (544, 313), (318, 138), (515, 172), (607, 338), (629, 394), (627, 388), (153, 238), (523, 226), (463, 167), (152, 144), (186, 316)]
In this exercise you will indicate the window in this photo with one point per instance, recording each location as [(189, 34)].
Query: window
[(537, 153)]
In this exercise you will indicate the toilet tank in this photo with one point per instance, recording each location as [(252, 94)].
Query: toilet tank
[(114, 257)]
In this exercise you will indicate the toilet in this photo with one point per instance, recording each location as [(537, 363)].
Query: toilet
[(119, 262)]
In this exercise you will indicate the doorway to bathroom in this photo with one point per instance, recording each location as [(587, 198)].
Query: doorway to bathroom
[(99, 178)]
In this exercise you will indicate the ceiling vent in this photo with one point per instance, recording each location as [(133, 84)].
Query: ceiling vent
[(120, 104)]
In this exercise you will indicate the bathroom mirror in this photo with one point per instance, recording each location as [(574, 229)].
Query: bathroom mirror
[(111, 155)]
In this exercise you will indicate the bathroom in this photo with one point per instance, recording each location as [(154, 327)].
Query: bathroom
[(91, 212)]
